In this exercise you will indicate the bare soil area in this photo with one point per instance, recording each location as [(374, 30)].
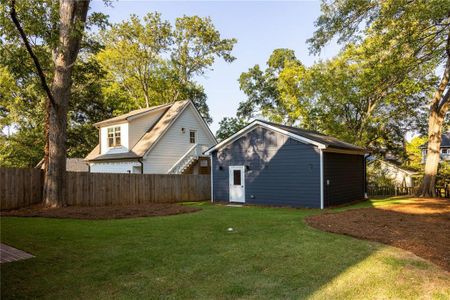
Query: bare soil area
[(102, 212), (422, 227)]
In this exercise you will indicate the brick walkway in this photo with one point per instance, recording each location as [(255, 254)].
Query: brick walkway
[(8, 254)]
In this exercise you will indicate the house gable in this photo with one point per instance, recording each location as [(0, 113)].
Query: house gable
[(279, 170), (174, 142)]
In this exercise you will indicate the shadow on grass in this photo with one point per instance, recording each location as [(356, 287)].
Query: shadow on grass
[(271, 253)]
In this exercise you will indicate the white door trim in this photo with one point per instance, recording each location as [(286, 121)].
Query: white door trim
[(241, 199)]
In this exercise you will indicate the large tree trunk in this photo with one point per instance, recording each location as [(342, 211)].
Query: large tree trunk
[(72, 15), (438, 109)]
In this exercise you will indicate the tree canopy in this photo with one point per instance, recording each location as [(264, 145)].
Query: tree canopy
[(151, 62)]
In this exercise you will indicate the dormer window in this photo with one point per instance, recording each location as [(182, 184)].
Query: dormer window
[(114, 137)]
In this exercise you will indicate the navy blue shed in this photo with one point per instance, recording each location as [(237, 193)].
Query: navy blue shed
[(273, 164)]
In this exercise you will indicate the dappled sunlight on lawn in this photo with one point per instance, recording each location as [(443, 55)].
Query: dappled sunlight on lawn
[(386, 274)]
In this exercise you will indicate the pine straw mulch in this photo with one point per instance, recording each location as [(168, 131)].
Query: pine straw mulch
[(102, 212), (422, 227)]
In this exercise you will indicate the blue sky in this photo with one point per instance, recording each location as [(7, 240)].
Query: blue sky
[(259, 26)]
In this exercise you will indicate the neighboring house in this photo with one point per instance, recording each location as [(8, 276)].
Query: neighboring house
[(399, 177), (268, 163), (72, 165), (169, 138), (444, 150)]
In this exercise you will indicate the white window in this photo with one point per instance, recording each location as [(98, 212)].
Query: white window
[(192, 136), (445, 151), (114, 137), (137, 169)]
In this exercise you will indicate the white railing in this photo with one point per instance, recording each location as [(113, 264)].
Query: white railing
[(191, 155)]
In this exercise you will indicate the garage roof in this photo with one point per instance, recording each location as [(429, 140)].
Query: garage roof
[(325, 142)]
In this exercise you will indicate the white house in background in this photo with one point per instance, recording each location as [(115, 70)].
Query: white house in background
[(400, 177), (72, 165), (164, 139), (444, 150)]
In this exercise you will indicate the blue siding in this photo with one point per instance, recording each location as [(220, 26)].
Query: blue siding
[(281, 170)]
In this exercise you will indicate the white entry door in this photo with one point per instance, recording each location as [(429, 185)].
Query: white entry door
[(237, 184)]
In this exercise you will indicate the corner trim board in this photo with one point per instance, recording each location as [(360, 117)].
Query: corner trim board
[(321, 180)]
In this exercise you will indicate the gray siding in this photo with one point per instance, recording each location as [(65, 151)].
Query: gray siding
[(345, 176), (281, 171)]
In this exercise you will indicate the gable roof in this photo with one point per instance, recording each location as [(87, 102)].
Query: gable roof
[(393, 165), (152, 136), (325, 142), (445, 141), (132, 114)]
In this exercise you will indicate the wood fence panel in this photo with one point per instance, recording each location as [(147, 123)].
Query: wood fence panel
[(20, 187), (23, 187)]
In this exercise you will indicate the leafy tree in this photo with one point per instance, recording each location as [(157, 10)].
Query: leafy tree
[(229, 126), (413, 30), (150, 62), (52, 34), (414, 153), (261, 88), (22, 100), (343, 97)]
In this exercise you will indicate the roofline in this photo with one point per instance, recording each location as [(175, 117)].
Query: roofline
[(132, 117), (204, 122), (331, 149), (255, 123), (115, 158), (170, 125), (395, 166)]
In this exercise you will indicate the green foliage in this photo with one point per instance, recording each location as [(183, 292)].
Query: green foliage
[(414, 153), (229, 126), (407, 36), (22, 100), (353, 96), (150, 63)]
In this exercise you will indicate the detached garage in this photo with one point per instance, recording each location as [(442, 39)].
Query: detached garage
[(268, 163)]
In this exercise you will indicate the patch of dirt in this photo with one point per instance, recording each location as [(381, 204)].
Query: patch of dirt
[(422, 227), (102, 212)]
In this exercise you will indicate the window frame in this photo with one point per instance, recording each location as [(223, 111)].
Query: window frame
[(114, 137), (195, 136)]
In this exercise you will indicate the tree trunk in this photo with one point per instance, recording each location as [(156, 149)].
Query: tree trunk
[(72, 15), (438, 109)]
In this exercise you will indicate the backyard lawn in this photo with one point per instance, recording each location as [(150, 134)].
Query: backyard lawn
[(271, 253)]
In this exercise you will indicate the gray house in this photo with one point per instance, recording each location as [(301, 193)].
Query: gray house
[(268, 163)]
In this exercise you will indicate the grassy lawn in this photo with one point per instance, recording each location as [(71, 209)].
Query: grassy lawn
[(270, 254)]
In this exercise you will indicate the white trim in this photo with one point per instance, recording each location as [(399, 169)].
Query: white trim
[(205, 126), (256, 123), (212, 178), (181, 158), (242, 169), (321, 180), (164, 132)]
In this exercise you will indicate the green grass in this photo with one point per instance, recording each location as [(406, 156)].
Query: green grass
[(270, 254)]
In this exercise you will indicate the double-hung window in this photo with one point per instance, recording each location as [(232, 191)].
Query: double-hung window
[(192, 136), (114, 137)]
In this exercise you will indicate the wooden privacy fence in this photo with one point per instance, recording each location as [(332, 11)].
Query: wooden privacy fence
[(20, 187), (23, 187), (100, 189)]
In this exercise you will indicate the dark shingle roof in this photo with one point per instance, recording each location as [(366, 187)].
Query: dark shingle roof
[(329, 141)]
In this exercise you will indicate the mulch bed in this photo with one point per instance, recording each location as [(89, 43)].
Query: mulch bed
[(102, 212), (422, 227)]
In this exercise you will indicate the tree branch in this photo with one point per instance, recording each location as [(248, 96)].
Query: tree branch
[(41, 74)]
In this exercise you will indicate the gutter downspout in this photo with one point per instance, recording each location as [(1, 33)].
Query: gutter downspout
[(142, 165)]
